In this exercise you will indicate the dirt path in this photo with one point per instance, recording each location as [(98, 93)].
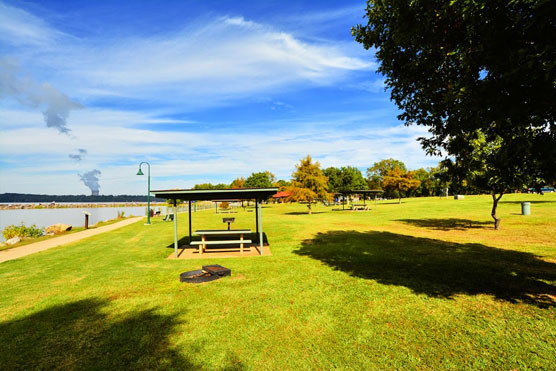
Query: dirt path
[(19, 252)]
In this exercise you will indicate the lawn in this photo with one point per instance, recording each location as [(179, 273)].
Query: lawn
[(27, 240), (425, 284)]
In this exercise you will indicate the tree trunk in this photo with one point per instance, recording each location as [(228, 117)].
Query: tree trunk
[(400, 196), (309, 211), (494, 206)]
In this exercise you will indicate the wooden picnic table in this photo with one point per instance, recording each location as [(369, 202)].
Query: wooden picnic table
[(356, 207), (204, 233)]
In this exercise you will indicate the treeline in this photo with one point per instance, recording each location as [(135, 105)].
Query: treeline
[(389, 175), (25, 197)]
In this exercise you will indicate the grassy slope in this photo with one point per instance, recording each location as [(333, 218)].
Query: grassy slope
[(425, 284)]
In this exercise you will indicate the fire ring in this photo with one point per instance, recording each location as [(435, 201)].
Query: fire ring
[(207, 274)]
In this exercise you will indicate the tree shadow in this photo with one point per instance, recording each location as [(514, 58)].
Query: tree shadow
[(436, 268), (446, 224), (253, 236), (80, 335), (531, 202)]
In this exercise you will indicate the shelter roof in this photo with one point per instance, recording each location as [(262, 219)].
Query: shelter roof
[(216, 194)]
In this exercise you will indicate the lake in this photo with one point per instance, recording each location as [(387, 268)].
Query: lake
[(73, 216)]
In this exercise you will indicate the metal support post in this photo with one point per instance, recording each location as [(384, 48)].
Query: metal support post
[(257, 215), (190, 222), (175, 228), (260, 227)]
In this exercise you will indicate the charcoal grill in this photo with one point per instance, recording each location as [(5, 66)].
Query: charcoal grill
[(207, 274), (228, 220)]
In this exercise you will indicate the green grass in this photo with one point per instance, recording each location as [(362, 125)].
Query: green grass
[(425, 284), (27, 240)]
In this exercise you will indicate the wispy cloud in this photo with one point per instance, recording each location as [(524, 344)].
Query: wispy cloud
[(184, 158), (55, 104), (20, 28), (207, 62)]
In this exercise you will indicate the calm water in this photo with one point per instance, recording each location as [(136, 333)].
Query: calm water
[(73, 216)]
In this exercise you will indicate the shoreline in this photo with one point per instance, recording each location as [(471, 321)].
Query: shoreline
[(76, 205)]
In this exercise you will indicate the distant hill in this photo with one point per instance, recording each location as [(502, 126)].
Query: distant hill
[(25, 197)]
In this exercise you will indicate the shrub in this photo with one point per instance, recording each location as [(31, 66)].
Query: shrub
[(121, 214), (22, 231)]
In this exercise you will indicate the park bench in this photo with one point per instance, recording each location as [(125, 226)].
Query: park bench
[(168, 218), (225, 237)]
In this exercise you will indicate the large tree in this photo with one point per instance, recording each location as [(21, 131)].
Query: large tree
[(238, 182), (308, 183), (346, 178), (264, 179), (377, 172), (400, 181), (352, 179), (334, 176), (471, 68)]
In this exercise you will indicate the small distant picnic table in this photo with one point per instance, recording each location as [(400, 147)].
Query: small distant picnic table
[(356, 207), (224, 237)]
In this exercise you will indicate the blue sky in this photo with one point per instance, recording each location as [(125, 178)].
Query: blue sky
[(204, 91)]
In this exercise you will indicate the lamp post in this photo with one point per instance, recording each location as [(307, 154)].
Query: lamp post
[(148, 189)]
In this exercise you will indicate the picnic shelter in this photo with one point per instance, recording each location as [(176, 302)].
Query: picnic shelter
[(190, 195)]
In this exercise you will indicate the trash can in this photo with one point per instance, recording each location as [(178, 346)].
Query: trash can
[(525, 208)]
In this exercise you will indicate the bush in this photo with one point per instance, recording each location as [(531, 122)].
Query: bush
[(22, 231), (121, 214)]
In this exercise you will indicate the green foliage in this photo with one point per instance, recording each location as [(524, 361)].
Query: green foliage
[(263, 179), (22, 231), (334, 176), (351, 179), (432, 182), (466, 67), (121, 214), (211, 186), (347, 178)]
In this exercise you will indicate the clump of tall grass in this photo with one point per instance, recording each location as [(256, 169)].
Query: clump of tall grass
[(22, 231)]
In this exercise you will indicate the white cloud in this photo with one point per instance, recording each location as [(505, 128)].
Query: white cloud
[(20, 28), (205, 63), (181, 158)]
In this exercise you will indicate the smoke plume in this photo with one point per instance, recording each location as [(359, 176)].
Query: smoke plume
[(90, 179), (79, 155), (56, 104)]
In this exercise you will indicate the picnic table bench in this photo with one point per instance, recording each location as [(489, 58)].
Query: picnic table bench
[(230, 238), (356, 207)]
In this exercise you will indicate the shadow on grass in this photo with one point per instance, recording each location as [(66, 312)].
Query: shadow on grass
[(79, 335), (254, 237), (531, 202), (446, 224), (436, 268)]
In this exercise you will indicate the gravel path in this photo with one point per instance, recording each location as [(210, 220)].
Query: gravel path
[(19, 252)]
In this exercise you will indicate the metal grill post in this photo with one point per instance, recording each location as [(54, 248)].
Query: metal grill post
[(175, 228)]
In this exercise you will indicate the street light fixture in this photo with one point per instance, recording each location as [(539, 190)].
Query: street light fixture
[(148, 189)]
